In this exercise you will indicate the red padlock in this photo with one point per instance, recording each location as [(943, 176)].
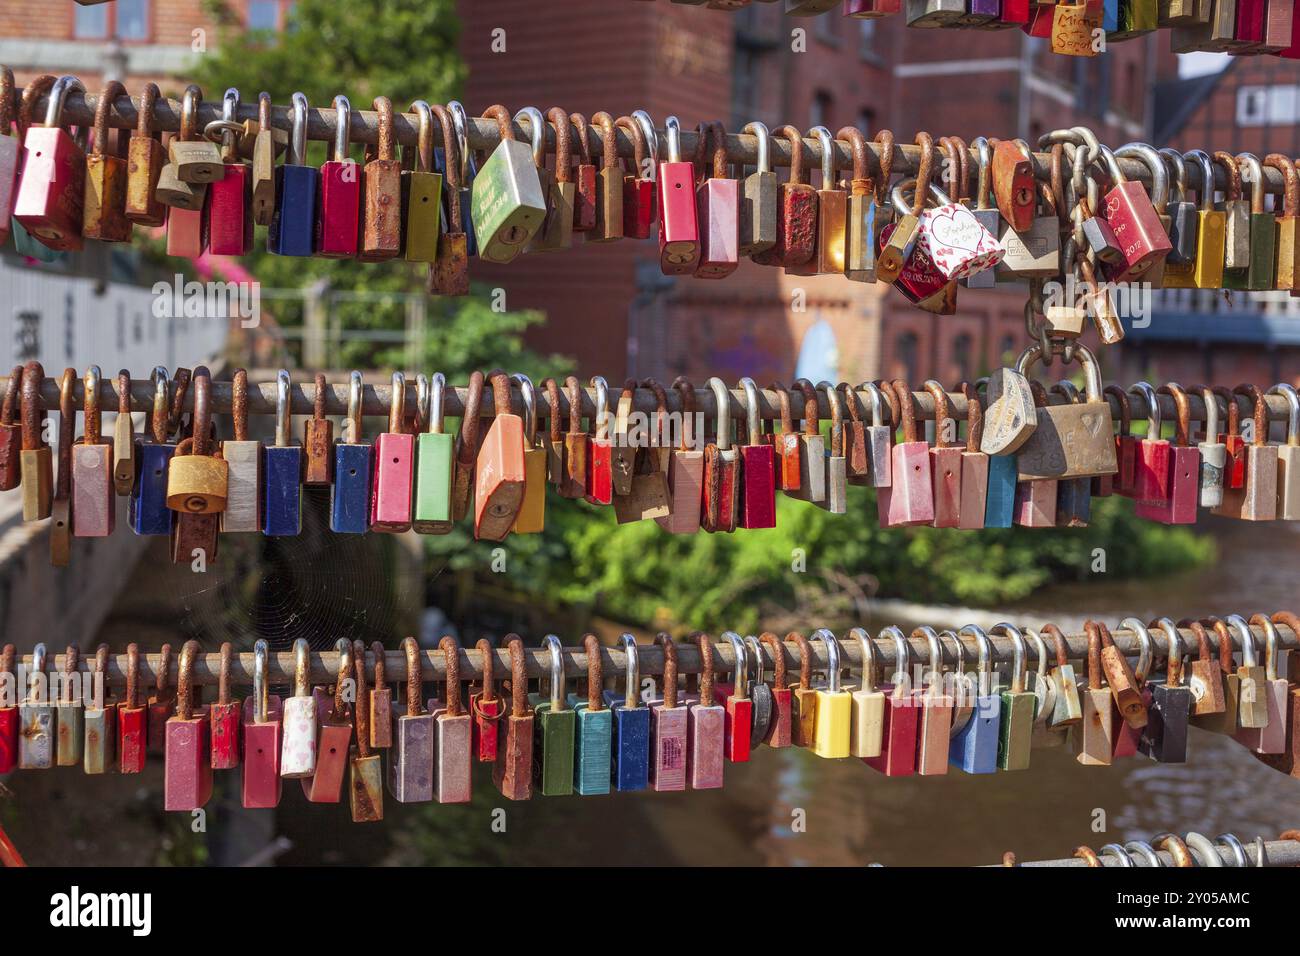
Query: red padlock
[(1153, 455), (679, 234), (260, 784), (230, 214), (757, 468), (334, 731), (717, 207), (600, 450), (1234, 469), (1183, 483), (394, 464), (187, 229), (132, 718), (187, 771), (51, 191), (785, 443), (1128, 210), (796, 217), (721, 468), (10, 148), (739, 709), (584, 178), (639, 187), (499, 467), (899, 735), (909, 497), (337, 228), (485, 705), (8, 707), (11, 433), (224, 717), (779, 729)]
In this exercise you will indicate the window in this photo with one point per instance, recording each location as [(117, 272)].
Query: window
[(125, 20), (962, 346), (905, 347), (867, 123), (268, 14), (867, 38), (819, 113)]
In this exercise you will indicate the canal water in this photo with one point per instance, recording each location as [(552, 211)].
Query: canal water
[(786, 807)]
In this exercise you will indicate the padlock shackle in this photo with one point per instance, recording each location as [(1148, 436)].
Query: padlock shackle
[(631, 671), (1183, 412), (837, 418), (600, 424), (159, 413), (827, 143), (1205, 192), (397, 405), (876, 397), (536, 132), (202, 418), (932, 642), (261, 689), (1255, 178), (58, 93), (1288, 391), (32, 407), (529, 398), (297, 152), (740, 674), (811, 423), (1290, 183), (755, 650), (668, 680), (39, 680), (424, 162), (643, 119), (1159, 191), (637, 135), (283, 436), (342, 124), (661, 412), (1174, 653), (902, 660), (673, 136), (753, 424), (184, 681), (609, 144), (360, 712), (1175, 164), (91, 429), (414, 677), (595, 672), (942, 412), (342, 647), (705, 646), (1043, 690), (460, 125), (112, 90), (1017, 654), (352, 422), (870, 662), (1259, 412), (1232, 185), (1146, 646), (722, 411), (71, 657), (763, 137), (555, 649), (1249, 656)]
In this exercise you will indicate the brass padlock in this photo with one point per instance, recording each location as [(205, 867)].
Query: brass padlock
[(171, 189), (144, 163), (106, 175), (197, 478), (195, 158), (35, 461), (61, 507), (267, 144), (1070, 441)]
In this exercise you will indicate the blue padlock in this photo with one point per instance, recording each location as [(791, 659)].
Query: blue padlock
[(468, 170), (594, 736), (350, 493), (974, 748), (999, 505), (282, 471), (293, 220), (630, 756), (147, 510), (1110, 15)]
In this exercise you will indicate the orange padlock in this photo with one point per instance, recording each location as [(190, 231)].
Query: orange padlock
[(499, 468)]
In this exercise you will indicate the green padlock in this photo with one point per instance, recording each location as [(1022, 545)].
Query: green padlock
[(1016, 720), (556, 726), (592, 763), (507, 205), (1263, 227), (433, 453)]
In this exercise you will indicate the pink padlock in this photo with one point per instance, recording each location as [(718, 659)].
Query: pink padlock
[(187, 231), (1151, 469), (974, 465), (717, 209), (230, 199), (93, 500), (187, 772), (956, 242), (945, 460), (9, 151), (909, 498), (668, 726), (261, 743), (1182, 499), (679, 233), (394, 457), (51, 192), (705, 726), (757, 467), (340, 192)]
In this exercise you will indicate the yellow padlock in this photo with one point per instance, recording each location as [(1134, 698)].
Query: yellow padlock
[(834, 705), (867, 720)]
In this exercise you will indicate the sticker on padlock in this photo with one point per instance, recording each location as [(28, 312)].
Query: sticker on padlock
[(508, 206), (954, 239)]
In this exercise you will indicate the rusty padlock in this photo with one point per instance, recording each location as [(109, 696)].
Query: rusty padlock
[(187, 773), (499, 467), (106, 174)]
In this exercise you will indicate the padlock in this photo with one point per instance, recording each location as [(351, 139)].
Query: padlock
[(1207, 272), (975, 727), (10, 148), (1016, 718), (669, 725), (1262, 258), (61, 506), (705, 722), (631, 732), (803, 717), (197, 482), (35, 458), (123, 443), (1252, 703), (187, 774), (1070, 441), (1092, 735), (598, 453), (365, 768), (350, 492), (70, 711), (1213, 454), (243, 460), (558, 188), (454, 733), (9, 696), (531, 518), (1236, 228), (513, 771), (1073, 496), (760, 694), (898, 747), (568, 461), (1164, 738), (380, 702), (1014, 187), (594, 730), (812, 448), (93, 501), (1067, 708), (449, 273), (721, 467), (499, 467), (908, 499), (335, 733), (833, 708), (298, 744), (1228, 720), (460, 170), (1034, 252), (292, 229), (485, 706), (132, 718), (584, 174), (11, 434), (187, 232), (1183, 468), (194, 159), (1153, 274), (757, 462), (919, 279), (738, 717), (1288, 457), (985, 214), (717, 206), (267, 144), (609, 220), (381, 200), (836, 462), (1206, 681), (421, 193), (553, 740), (639, 187), (974, 482), (786, 444), (679, 233), (106, 173), (230, 222), (318, 440), (50, 200), (161, 704), (100, 718), (796, 222), (1125, 684), (878, 438), (1234, 473), (1270, 738), (954, 240), (898, 239), (1131, 214), (867, 702), (832, 214), (338, 223), (224, 718), (1286, 272), (857, 452), (282, 471), (936, 705), (411, 760), (945, 462), (647, 495), (1256, 499), (433, 457), (462, 473), (508, 204), (1042, 734), (393, 467), (1125, 737), (758, 198), (1183, 220)]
